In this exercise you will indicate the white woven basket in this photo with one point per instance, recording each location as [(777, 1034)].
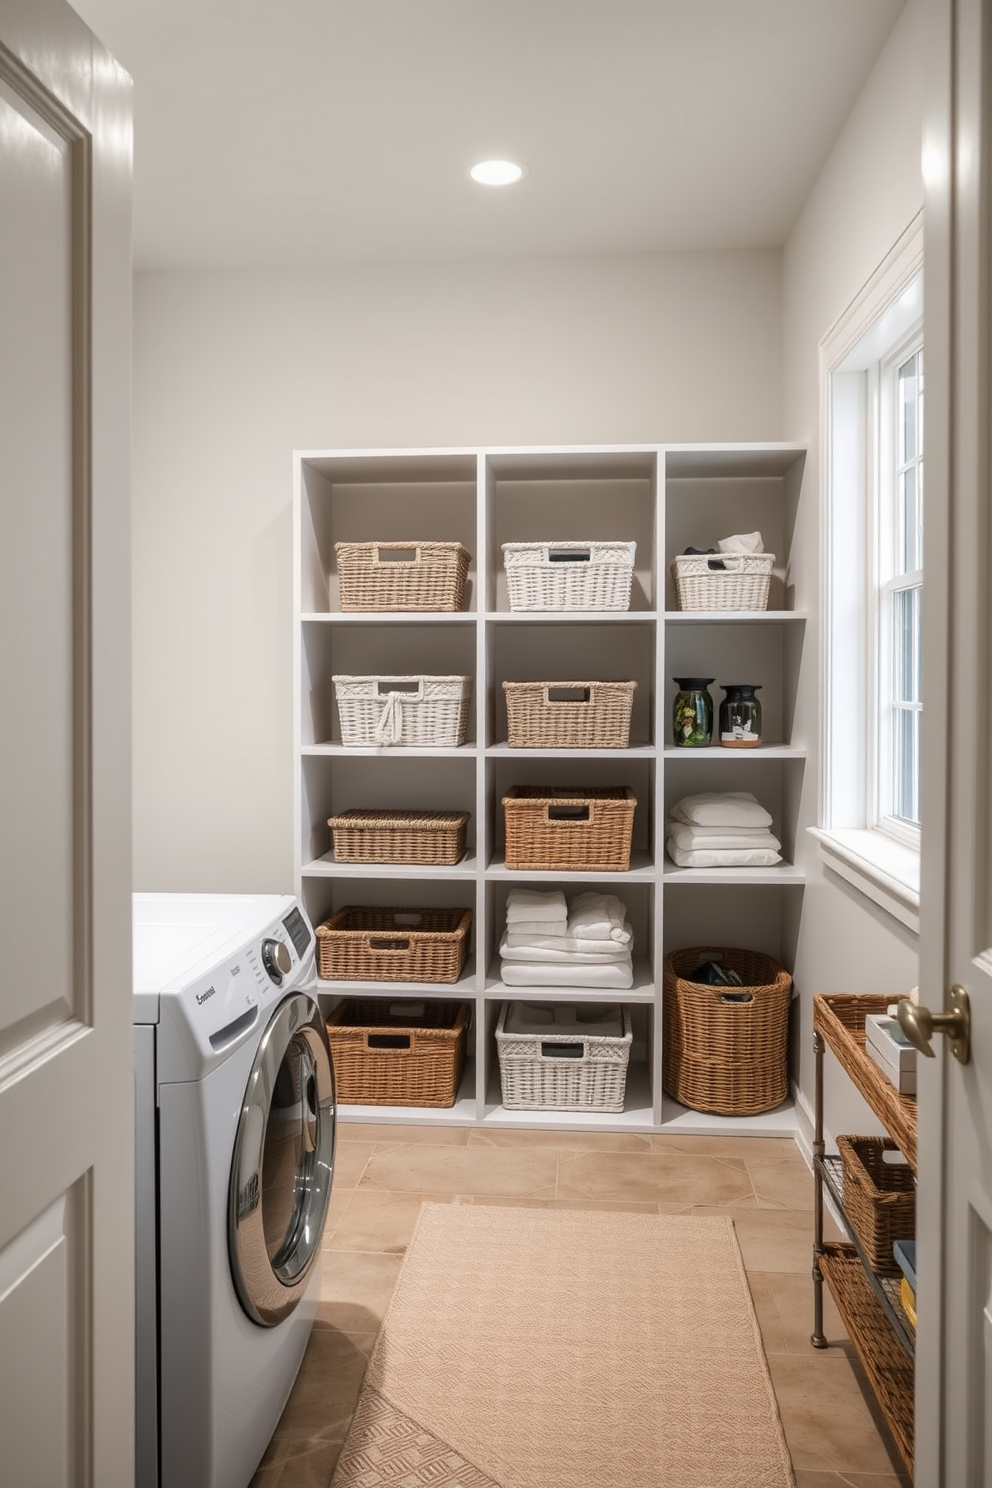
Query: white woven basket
[(569, 575), (407, 711), (572, 1068), (741, 584)]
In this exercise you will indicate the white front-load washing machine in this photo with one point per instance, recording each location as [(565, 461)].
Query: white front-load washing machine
[(235, 1119)]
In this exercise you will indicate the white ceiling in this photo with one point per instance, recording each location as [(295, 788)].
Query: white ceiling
[(304, 132)]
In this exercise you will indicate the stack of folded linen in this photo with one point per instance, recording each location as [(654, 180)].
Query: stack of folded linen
[(551, 943), (721, 829)]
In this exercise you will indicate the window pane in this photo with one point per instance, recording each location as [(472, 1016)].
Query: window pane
[(909, 393), (907, 659), (911, 519), (906, 765)]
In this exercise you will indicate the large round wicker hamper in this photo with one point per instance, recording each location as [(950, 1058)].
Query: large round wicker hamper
[(726, 1048)]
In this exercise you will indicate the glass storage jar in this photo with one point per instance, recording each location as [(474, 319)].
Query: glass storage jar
[(740, 716), (692, 714)]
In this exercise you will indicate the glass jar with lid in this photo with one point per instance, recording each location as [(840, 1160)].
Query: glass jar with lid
[(692, 714), (740, 716)]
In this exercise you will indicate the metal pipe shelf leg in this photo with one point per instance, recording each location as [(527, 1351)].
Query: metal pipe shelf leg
[(817, 1338)]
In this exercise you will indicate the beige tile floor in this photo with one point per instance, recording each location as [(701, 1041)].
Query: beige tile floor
[(383, 1173)]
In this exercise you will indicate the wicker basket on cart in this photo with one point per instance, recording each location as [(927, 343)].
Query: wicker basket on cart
[(724, 581), (402, 575), (569, 575), (879, 1197), (725, 1049), (398, 1053), (413, 712), (436, 837), (593, 715), (363, 944), (566, 828)]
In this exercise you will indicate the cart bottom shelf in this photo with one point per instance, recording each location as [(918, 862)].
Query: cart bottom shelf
[(890, 1371)]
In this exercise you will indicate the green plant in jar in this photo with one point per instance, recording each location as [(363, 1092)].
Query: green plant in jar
[(692, 713)]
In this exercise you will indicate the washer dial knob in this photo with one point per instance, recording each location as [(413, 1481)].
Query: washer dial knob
[(276, 959)]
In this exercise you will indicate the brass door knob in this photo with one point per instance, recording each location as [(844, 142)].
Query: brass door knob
[(919, 1024)]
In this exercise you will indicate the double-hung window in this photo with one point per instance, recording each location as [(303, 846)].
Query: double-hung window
[(897, 616), (872, 486)]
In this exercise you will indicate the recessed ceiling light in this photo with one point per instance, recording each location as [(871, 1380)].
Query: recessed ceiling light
[(497, 172)]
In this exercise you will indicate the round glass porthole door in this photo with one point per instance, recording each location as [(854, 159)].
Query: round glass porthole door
[(283, 1163)]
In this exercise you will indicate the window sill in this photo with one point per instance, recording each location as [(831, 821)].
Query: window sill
[(881, 869)]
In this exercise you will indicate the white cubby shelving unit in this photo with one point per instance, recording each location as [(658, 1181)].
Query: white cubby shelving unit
[(665, 498)]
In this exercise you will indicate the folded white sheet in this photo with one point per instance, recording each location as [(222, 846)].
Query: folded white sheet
[(752, 857), (617, 975), (554, 928), (742, 542), (710, 839), (561, 949), (722, 809), (532, 905), (593, 916)]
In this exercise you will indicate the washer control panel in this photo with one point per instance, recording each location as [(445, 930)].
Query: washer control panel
[(213, 1013)]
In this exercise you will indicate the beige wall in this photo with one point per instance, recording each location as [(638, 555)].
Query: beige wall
[(869, 191), (233, 371)]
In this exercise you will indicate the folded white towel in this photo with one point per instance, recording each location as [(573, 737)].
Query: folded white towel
[(742, 542), (708, 839), (536, 904), (594, 916), (549, 948), (722, 809), (753, 857), (556, 928), (613, 974)]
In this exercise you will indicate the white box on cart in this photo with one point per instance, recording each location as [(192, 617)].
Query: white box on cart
[(892, 1051)]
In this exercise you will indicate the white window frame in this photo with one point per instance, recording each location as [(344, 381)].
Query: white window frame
[(881, 862), (887, 580)]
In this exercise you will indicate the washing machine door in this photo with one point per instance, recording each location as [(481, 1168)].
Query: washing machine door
[(283, 1163)]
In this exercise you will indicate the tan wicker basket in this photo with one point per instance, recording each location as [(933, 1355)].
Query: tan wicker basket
[(887, 1365), (879, 1198), (596, 715), (575, 1062), (839, 1017), (398, 1053), (562, 828), (362, 944), (402, 576), (399, 836), (415, 712), (741, 584), (569, 575), (725, 1049)]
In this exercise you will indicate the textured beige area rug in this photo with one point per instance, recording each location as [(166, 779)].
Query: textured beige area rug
[(535, 1348)]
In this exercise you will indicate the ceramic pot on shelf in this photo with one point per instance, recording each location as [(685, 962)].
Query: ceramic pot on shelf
[(692, 714), (740, 716)]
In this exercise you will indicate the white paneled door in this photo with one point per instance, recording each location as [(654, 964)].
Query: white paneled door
[(66, 1084), (954, 1224)]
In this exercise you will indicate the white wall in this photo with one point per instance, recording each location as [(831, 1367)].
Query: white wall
[(233, 371), (869, 191)]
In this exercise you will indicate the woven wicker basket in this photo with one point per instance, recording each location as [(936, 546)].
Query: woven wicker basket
[(568, 1065), (420, 575), (569, 575), (393, 945), (398, 1053), (399, 836), (599, 718), (562, 828), (412, 712), (741, 584), (879, 1198), (725, 1049)]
